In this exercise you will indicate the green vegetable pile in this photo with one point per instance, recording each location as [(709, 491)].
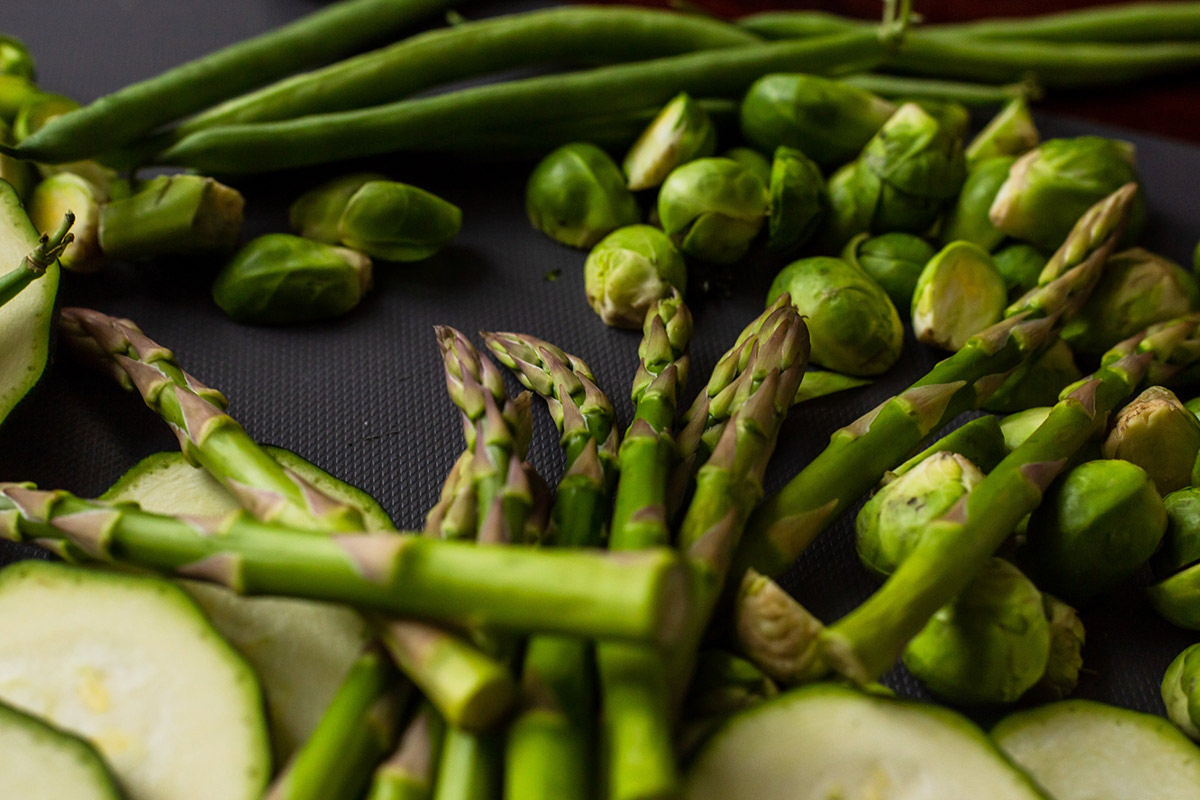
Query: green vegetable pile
[(230, 621)]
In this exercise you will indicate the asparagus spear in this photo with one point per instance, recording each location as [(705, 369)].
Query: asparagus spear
[(632, 597), (34, 265), (408, 773), (207, 435), (859, 454), (636, 698), (550, 742), (355, 732)]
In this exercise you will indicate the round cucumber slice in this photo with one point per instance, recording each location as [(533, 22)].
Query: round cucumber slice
[(829, 741), (1081, 750), (300, 649), (40, 762), (129, 663)]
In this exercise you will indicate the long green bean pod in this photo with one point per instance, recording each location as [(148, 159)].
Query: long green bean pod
[(575, 35), (531, 102), (898, 87), (125, 115), (859, 454)]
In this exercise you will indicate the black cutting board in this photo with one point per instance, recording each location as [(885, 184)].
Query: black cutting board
[(363, 396)]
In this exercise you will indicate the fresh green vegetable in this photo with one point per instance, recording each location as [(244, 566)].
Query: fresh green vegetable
[(577, 196), (172, 215), (120, 118), (1011, 132), (928, 91), (35, 114), (468, 767), (354, 733), (21, 175), (894, 260), (853, 325), (34, 264), (712, 208), (797, 201), (891, 523), (820, 382), (1037, 382), (1181, 544), (15, 58), (1095, 529), (968, 220), (280, 278), (958, 294), (1018, 427), (524, 105), (628, 271), (15, 93), (317, 213), (66, 192), (409, 772), (681, 132), (990, 645), (1159, 435), (752, 160), (40, 762), (827, 120), (1020, 265), (1050, 186), (980, 441), (1138, 289), (859, 454), (1067, 637), (397, 222), (1083, 750), (829, 741), (1181, 692), (73, 635)]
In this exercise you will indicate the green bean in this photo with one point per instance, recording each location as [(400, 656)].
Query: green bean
[(970, 94), (1134, 22), (575, 35), (125, 115), (1052, 64), (532, 102)]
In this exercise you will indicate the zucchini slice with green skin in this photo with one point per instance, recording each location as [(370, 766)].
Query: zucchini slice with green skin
[(1082, 750), (40, 762), (300, 649), (25, 320), (130, 664), (829, 741)]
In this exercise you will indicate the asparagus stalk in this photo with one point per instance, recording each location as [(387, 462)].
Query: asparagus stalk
[(633, 597), (859, 454), (35, 264), (408, 773), (550, 743), (207, 435), (636, 697), (354, 733), (468, 768)]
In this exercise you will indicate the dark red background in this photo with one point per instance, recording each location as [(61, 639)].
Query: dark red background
[(1166, 106)]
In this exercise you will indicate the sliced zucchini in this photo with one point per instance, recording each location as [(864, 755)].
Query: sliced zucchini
[(300, 649), (828, 741), (40, 762), (1082, 750), (24, 320), (128, 663)]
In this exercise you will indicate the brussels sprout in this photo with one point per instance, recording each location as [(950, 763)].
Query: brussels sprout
[(15, 58), (1067, 637), (1095, 528), (281, 278), (891, 523), (1010, 133), (990, 645), (628, 270), (968, 220), (316, 213), (577, 196), (853, 326), (172, 214), (1037, 382), (1020, 265), (752, 160), (819, 383), (1181, 691), (959, 293), (798, 201), (681, 132), (894, 260), (1137, 289), (1181, 544), (1158, 434), (64, 192), (953, 117), (849, 210), (1017, 427), (397, 222), (1051, 186), (827, 120), (713, 208)]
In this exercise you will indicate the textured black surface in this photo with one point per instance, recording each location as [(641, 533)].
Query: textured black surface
[(363, 396)]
